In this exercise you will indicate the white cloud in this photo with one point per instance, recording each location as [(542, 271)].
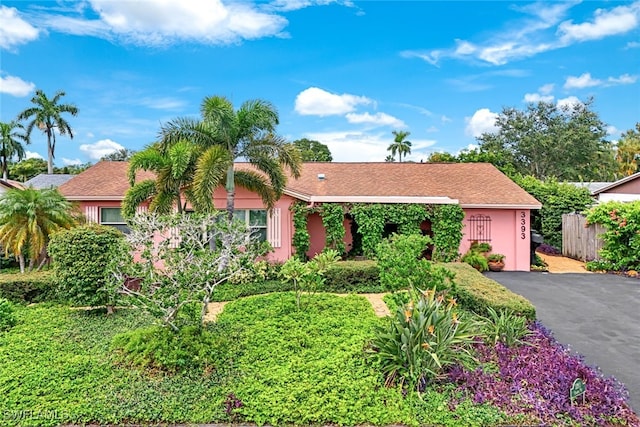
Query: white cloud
[(585, 80), (289, 5), (618, 20), (318, 102), (445, 119), (14, 30), (536, 97), (166, 103), (546, 89), (432, 129), (632, 45), (543, 94), (163, 22), (612, 130), (15, 86), (378, 119), (534, 34), (624, 79), (32, 155), (101, 148), (482, 121), (569, 102), (360, 146), (71, 162)]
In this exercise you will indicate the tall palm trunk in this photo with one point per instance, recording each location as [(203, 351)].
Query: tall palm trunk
[(50, 150)]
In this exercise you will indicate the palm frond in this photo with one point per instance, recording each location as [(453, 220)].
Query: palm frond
[(211, 172), (257, 183), (136, 195)]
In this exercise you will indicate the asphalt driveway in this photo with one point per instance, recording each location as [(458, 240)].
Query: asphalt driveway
[(597, 315)]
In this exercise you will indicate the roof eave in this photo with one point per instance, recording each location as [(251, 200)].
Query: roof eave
[(616, 183), (92, 198), (499, 206)]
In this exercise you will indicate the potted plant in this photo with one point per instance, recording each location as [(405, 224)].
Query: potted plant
[(495, 262)]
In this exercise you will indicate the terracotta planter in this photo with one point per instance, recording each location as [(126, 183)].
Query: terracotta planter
[(496, 265)]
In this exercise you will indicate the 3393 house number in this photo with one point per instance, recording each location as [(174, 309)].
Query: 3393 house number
[(523, 225)]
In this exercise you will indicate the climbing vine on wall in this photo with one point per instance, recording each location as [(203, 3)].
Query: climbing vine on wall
[(446, 224), (332, 215), (300, 239)]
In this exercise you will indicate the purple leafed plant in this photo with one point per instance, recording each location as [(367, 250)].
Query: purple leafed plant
[(535, 379), (548, 249)]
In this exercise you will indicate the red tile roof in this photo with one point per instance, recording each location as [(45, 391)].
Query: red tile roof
[(103, 181), (471, 184)]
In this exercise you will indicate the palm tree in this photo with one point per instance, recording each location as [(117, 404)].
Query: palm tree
[(400, 145), (225, 134), (28, 218), (10, 145), (47, 116), (174, 167)]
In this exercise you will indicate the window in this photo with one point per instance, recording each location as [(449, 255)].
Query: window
[(256, 219), (480, 228), (113, 218)]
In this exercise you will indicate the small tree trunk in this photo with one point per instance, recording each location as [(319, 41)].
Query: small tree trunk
[(231, 192), (21, 261)]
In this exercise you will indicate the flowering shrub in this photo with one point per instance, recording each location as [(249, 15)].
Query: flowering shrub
[(534, 380), (622, 239)]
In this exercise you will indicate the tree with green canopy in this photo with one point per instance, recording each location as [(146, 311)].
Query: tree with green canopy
[(29, 217), (27, 168), (313, 151), (400, 144), (628, 152), (10, 145), (546, 140), (47, 115), (121, 155), (226, 135)]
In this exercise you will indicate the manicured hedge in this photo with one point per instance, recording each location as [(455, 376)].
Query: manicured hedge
[(477, 292), (353, 276), (27, 288)]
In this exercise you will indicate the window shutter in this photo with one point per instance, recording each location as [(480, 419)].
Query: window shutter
[(274, 228), (91, 212)]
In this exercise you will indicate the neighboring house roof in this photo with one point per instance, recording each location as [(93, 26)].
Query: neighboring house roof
[(615, 184), (591, 186), (10, 184), (105, 180), (469, 184), (45, 180)]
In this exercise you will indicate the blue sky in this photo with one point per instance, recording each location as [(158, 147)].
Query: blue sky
[(345, 73)]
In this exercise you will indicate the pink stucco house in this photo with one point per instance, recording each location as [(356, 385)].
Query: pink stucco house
[(496, 209)]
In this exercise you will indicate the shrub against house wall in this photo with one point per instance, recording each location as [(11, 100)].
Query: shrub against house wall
[(82, 257), (557, 199)]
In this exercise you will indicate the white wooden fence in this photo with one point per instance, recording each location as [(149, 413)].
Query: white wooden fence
[(579, 240)]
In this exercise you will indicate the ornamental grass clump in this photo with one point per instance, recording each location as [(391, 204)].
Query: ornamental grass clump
[(505, 326), (426, 336), (534, 380)]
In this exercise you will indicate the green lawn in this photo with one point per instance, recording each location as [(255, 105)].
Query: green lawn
[(285, 366)]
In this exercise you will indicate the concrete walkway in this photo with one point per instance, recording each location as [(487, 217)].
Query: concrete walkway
[(597, 315)]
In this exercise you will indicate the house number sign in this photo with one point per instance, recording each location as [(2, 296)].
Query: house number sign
[(523, 225)]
